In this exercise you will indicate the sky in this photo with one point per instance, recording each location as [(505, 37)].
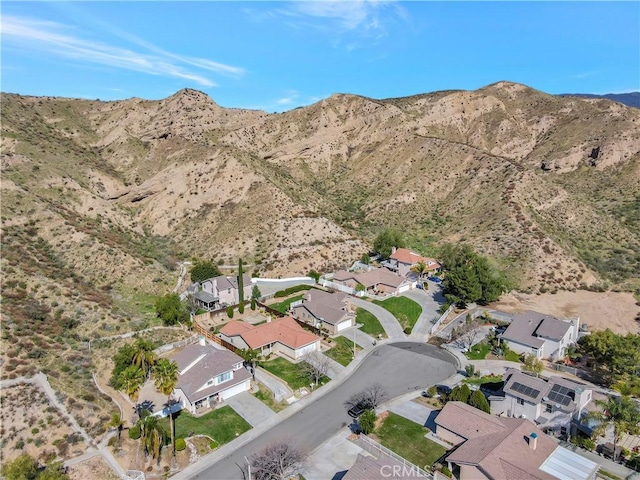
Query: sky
[(276, 56)]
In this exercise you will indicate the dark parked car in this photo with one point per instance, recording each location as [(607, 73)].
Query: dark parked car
[(443, 389), (356, 410), (434, 279)]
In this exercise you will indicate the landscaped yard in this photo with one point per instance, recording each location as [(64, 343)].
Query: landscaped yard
[(479, 351), (222, 424), (284, 305), (404, 309), (512, 356), (407, 439), (266, 396), (370, 324), (485, 379), (292, 373), (342, 350)]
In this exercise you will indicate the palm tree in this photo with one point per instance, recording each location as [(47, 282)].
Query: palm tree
[(165, 375), (117, 422), (132, 379), (152, 435), (621, 412), (250, 356), (419, 268), (143, 356)]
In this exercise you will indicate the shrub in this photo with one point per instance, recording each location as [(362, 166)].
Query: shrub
[(407, 330), (253, 303), (367, 421), (230, 312), (432, 391), (181, 444), (134, 432), (288, 291), (241, 308), (445, 471)]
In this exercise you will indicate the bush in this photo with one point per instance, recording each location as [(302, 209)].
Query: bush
[(134, 432), (241, 308), (181, 444), (253, 303), (367, 421), (445, 471), (407, 330), (433, 391), (288, 291), (230, 312)]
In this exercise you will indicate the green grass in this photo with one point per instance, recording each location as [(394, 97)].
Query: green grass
[(284, 305), (485, 379), (370, 324), (512, 356), (342, 351), (291, 373), (407, 439), (404, 309), (479, 351), (266, 396), (222, 424)]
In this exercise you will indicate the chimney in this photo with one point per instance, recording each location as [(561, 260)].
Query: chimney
[(393, 250), (533, 441), (201, 340)]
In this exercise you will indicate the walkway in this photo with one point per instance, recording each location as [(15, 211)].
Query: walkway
[(386, 319), (279, 388), (430, 301), (250, 408), (333, 457)]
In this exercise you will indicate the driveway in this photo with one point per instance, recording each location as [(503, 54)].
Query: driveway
[(401, 367), (430, 301), (387, 320), (336, 455), (416, 412), (250, 408)]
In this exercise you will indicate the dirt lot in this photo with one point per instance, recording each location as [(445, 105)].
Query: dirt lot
[(617, 311), (95, 467)]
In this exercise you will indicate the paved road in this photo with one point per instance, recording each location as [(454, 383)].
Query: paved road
[(430, 301), (401, 367), (387, 320)]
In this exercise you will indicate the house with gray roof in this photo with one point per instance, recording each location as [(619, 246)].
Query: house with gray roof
[(554, 404), (541, 335), (208, 374), (218, 292), (488, 447), (376, 281), (332, 312)]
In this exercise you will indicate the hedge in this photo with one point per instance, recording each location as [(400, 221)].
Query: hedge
[(288, 291)]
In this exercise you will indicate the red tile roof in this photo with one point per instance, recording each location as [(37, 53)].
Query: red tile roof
[(403, 255), (284, 330)]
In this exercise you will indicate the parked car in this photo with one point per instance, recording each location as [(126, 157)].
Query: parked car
[(356, 410), (443, 389), (434, 279)]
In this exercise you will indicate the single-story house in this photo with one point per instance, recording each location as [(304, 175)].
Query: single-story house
[(283, 335), (378, 281), (540, 335), (552, 404), (501, 448), (403, 260), (332, 312), (223, 291), (208, 374), (382, 467)]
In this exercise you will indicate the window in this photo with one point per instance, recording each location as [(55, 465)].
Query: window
[(223, 377), (520, 401), (549, 408), (210, 382)]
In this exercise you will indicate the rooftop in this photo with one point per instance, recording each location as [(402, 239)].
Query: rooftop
[(284, 330), (531, 328)]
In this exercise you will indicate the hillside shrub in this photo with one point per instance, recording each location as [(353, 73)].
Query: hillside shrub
[(181, 444), (134, 432), (230, 312)]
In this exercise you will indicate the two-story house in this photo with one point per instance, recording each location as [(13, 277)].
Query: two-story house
[(540, 335), (553, 404), (332, 312), (377, 281), (208, 374), (403, 260), (218, 292)]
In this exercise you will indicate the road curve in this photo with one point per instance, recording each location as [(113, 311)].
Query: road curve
[(386, 318), (400, 367)]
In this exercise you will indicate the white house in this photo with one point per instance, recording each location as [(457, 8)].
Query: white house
[(541, 335)]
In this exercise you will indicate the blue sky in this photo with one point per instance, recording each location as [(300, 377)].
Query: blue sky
[(280, 55)]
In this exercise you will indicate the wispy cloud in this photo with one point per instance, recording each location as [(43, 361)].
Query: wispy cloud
[(61, 40), (585, 75)]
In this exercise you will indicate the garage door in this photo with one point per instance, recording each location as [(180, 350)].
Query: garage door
[(404, 288), (230, 392), (304, 350), (343, 325)]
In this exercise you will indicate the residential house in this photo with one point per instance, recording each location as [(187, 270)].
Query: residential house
[(383, 467), (223, 291), (541, 335), (403, 260), (377, 281), (488, 447), (208, 374), (332, 312), (553, 404), (283, 335)]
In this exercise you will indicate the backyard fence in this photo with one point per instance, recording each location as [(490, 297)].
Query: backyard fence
[(442, 318), (170, 346), (375, 449), (215, 339)]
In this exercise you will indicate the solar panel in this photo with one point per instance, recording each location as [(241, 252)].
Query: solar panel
[(525, 390), (561, 395)]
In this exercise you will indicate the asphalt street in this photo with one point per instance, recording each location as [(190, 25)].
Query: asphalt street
[(400, 367)]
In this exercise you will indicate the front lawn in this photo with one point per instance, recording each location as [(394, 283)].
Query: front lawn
[(342, 351), (479, 351), (284, 305), (404, 309), (370, 323), (407, 439), (485, 379), (222, 424), (512, 356), (292, 373), (266, 396)]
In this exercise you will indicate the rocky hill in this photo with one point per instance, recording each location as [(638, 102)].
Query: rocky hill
[(110, 194)]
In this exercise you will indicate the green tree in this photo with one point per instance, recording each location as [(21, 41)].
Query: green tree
[(367, 421), (386, 240), (230, 311), (365, 258), (118, 423), (131, 380), (478, 400), (253, 303), (23, 467), (240, 288), (621, 413), (165, 375), (255, 292), (532, 364), (616, 357), (121, 360), (250, 356), (143, 356), (152, 435), (461, 393), (171, 310), (314, 274), (202, 270), (53, 471), (360, 287)]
